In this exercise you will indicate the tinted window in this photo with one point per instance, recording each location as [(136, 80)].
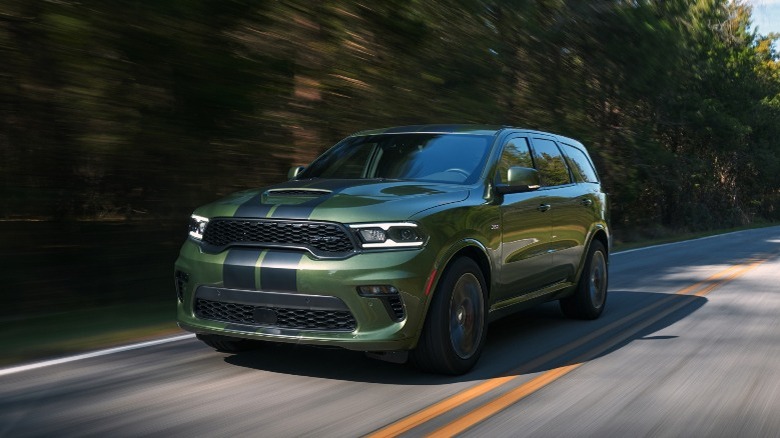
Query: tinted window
[(516, 153), (350, 163), (454, 158), (580, 164), (550, 163)]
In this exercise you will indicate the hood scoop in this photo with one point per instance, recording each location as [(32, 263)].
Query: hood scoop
[(292, 196), (308, 193)]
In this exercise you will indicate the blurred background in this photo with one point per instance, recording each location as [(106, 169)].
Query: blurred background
[(118, 118)]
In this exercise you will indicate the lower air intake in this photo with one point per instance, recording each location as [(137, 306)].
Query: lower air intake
[(302, 319)]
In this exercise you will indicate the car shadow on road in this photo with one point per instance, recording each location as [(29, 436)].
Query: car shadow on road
[(532, 341)]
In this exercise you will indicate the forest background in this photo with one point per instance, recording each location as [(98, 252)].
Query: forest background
[(118, 118)]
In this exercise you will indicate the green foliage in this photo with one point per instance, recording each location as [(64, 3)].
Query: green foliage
[(136, 109)]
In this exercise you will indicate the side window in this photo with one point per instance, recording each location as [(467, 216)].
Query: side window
[(516, 153), (550, 163), (580, 164)]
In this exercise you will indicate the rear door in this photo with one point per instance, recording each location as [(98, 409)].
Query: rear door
[(577, 213)]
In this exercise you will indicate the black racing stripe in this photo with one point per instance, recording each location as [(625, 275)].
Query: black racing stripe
[(238, 271), (299, 211), (254, 207), (279, 271), (305, 209), (337, 185)]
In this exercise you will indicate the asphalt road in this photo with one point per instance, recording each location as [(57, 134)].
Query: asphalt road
[(689, 346)]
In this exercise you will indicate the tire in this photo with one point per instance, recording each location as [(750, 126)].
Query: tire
[(227, 344), (456, 325), (590, 296)]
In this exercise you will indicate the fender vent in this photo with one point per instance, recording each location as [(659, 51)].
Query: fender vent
[(181, 279), (395, 307)]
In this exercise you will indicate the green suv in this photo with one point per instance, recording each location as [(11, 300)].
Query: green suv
[(401, 242)]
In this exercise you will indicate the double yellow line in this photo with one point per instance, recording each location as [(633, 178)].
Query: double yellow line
[(503, 401)]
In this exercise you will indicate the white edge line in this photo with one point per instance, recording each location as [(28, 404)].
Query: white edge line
[(48, 363), (681, 242)]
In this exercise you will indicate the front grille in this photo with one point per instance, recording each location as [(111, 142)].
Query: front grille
[(321, 238), (303, 319)]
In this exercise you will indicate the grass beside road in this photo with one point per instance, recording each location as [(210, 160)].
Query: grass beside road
[(76, 286), (40, 337), (86, 286), (672, 237)]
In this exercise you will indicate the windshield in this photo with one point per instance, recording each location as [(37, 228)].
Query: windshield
[(448, 158)]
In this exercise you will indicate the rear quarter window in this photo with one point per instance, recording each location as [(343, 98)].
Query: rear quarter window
[(580, 164)]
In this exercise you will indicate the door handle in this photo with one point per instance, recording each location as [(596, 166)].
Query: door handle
[(543, 207), (587, 202)]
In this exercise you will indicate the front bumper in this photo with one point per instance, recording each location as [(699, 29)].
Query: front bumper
[(290, 296)]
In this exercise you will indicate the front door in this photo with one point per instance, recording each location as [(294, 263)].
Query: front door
[(526, 226)]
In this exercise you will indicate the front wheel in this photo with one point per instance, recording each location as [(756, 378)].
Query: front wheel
[(590, 297), (455, 328)]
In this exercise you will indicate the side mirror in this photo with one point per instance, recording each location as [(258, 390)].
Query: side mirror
[(520, 179), (294, 171)]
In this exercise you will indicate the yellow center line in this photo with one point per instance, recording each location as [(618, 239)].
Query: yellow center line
[(499, 404), (492, 407), (714, 279), (435, 410), (752, 264), (440, 408)]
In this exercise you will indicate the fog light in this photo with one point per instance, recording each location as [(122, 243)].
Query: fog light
[(377, 290), (389, 296)]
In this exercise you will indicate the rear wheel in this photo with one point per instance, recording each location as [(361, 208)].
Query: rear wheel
[(455, 328), (227, 344), (590, 297)]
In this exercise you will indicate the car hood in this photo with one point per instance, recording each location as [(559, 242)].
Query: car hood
[(347, 201)]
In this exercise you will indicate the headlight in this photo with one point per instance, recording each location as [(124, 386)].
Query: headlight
[(198, 226), (389, 235)]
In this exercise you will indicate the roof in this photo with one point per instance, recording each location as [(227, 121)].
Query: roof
[(436, 129), (463, 129)]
